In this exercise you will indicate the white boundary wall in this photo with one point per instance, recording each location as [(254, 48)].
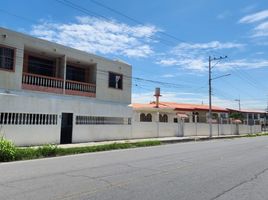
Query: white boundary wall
[(24, 135), (155, 129), (86, 133)]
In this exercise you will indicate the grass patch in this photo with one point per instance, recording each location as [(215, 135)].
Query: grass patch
[(53, 150), (256, 134)]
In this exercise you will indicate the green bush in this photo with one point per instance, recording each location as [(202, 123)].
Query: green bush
[(47, 150), (7, 150)]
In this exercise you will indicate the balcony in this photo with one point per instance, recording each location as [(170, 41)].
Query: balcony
[(80, 88), (57, 85)]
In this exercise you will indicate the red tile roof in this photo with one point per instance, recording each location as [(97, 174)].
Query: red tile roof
[(248, 111), (180, 106)]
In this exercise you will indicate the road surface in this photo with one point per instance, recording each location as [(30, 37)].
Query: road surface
[(219, 169)]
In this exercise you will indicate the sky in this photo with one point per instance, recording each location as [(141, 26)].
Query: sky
[(167, 42)]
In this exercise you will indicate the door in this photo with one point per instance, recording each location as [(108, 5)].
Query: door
[(66, 128)]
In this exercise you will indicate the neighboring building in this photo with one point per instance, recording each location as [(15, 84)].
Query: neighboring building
[(50, 93), (171, 112), (250, 117), (170, 119)]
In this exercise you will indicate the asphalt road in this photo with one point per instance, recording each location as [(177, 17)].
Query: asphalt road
[(220, 169)]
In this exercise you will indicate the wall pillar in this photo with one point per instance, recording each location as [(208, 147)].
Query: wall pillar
[(64, 69)]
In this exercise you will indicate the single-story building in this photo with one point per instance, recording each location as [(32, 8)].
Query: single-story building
[(171, 111)]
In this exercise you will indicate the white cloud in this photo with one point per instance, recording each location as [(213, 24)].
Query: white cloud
[(191, 56), (95, 35), (201, 64), (256, 17), (243, 63), (183, 97), (261, 30), (198, 99), (216, 45), (168, 62)]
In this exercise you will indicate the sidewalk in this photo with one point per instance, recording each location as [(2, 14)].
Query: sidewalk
[(162, 140)]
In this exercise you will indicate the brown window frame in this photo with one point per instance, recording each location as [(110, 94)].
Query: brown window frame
[(14, 59)]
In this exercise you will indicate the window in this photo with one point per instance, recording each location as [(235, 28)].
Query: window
[(115, 80), (223, 115), (75, 73), (7, 57), (195, 117), (27, 119), (95, 120), (145, 118), (142, 117), (41, 66), (175, 120), (129, 121), (163, 118), (149, 117)]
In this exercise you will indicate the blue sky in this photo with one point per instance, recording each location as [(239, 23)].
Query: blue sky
[(199, 28)]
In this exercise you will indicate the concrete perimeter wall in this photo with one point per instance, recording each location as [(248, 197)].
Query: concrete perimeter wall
[(154, 129), (87, 133), (37, 135)]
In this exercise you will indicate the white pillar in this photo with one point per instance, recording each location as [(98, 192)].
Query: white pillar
[(64, 65)]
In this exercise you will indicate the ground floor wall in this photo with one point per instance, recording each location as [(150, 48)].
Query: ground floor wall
[(101, 133), (38, 119)]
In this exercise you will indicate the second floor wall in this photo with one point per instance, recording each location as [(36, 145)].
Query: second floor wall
[(29, 63)]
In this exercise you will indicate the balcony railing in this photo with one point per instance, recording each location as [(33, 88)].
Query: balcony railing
[(79, 86), (80, 89), (56, 85)]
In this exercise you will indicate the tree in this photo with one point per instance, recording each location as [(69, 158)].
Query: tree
[(236, 116)]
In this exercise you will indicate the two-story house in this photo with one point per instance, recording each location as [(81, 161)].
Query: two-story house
[(50, 93)]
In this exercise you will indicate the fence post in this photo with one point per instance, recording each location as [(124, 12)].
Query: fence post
[(195, 122)]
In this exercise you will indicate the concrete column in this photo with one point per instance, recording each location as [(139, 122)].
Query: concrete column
[(182, 127), (64, 67), (191, 118), (157, 123), (195, 119)]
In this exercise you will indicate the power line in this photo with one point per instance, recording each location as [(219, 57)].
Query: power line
[(133, 19), (167, 84), (246, 77), (89, 12)]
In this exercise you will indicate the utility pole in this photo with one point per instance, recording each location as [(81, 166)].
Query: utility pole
[(209, 99), (209, 86), (239, 103)]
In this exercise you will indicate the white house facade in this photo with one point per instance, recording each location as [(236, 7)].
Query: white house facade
[(170, 119), (50, 93)]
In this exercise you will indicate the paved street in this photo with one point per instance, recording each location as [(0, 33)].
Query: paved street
[(219, 169)]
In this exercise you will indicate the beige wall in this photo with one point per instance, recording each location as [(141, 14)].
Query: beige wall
[(27, 135), (19, 102), (12, 80), (89, 133)]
